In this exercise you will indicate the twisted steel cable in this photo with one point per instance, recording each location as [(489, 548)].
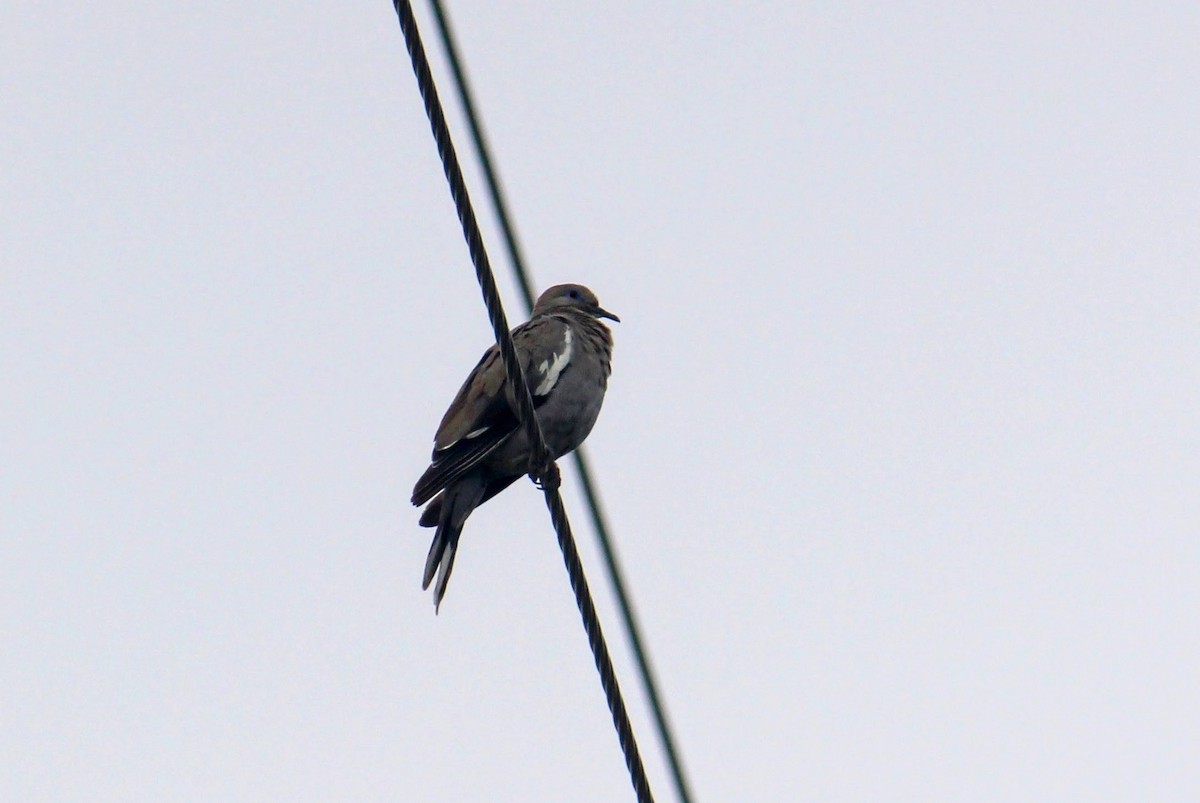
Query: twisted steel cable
[(607, 549), (542, 466)]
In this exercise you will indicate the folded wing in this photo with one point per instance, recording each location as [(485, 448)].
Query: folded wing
[(480, 417)]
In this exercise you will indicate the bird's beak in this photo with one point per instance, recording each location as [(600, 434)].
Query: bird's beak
[(600, 312)]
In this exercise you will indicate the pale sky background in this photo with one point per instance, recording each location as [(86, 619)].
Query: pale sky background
[(901, 448)]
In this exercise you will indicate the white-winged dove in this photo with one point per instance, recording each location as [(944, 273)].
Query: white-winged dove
[(481, 448)]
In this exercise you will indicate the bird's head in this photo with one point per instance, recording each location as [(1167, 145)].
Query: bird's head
[(572, 295)]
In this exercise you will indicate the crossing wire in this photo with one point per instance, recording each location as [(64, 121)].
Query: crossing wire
[(542, 465), (616, 576)]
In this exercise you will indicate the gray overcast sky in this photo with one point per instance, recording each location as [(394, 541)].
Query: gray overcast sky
[(901, 447)]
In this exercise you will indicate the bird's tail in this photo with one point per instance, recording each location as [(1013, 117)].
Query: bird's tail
[(432, 513), (457, 502)]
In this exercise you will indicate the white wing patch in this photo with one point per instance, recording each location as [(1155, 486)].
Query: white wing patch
[(551, 370)]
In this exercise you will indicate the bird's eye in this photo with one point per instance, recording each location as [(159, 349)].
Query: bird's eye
[(574, 294)]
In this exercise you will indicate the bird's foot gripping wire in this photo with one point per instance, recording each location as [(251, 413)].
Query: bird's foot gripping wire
[(548, 478)]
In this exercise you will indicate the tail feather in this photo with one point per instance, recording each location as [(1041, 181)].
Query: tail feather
[(432, 514), (439, 588), (457, 502), (436, 550)]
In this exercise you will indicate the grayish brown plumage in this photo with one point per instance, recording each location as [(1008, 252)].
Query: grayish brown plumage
[(480, 448)]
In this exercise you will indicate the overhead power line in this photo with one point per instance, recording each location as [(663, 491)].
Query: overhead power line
[(516, 257), (542, 465)]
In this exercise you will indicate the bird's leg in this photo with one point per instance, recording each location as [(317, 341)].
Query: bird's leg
[(548, 479)]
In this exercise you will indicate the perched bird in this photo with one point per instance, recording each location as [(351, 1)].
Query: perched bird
[(481, 448)]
